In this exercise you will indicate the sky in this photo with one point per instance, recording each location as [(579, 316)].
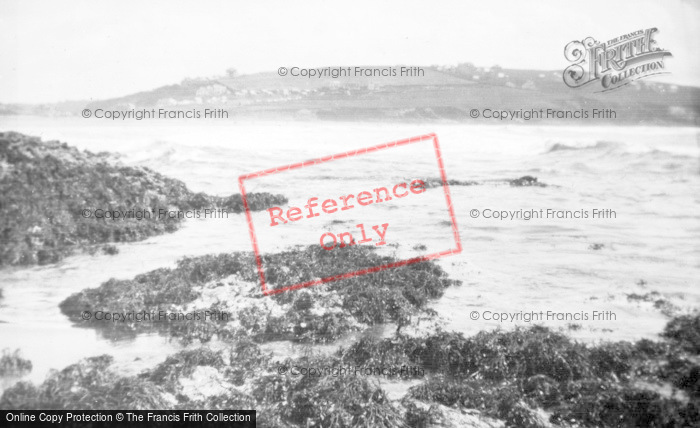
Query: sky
[(79, 50)]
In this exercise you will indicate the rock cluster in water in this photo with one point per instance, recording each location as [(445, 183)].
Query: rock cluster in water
[(529, 377), (50, 192)]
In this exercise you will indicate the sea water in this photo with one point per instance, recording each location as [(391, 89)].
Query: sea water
[(509, 268)]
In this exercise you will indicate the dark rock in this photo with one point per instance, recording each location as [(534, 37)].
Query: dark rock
[(526, 181), (13, 364), (51, 191), (685, 330)]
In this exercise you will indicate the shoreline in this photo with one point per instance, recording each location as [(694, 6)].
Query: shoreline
[(427, 361), (542, 367), (373, 120), (534, 376)]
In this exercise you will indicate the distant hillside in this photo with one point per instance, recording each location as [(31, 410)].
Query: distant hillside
[(443, 93)]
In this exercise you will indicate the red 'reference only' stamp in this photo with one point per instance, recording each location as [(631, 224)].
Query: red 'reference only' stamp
[(318, 214)]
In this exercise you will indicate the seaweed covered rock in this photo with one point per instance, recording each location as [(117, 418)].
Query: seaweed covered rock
[(526, 181), (325, 401), (430, 183), (416, 283), (493, 356), (158, 293), (90, 384), (228, 283), (685, 331), (683, 373), (423, 415), (492, 379), (13, 364), (206, 379), (518, 376), (53, 196), (235, 377)]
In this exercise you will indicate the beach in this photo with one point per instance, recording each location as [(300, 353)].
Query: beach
[(594, 279)]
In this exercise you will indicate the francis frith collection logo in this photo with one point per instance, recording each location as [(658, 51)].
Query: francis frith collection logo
[(615, 63)]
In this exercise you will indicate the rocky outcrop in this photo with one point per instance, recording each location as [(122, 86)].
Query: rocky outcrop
[(50, 193)]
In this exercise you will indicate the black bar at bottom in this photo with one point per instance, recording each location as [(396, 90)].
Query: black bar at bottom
[(128, 418)]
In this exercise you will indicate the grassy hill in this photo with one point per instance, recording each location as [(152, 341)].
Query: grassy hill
[(442, 93)]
